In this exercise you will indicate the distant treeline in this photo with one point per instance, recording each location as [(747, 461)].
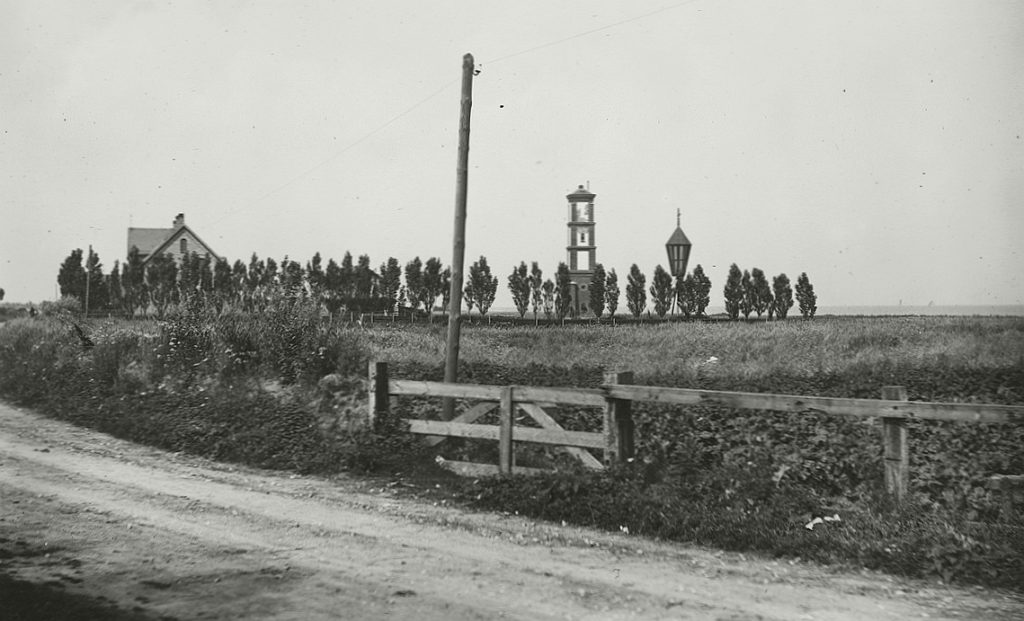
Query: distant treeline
[(152, 285)]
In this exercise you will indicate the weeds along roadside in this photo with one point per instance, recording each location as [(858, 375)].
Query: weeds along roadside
[(278, 389), (251, 389)]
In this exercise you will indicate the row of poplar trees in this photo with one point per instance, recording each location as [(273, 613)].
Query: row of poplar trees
[(689, 294), (749, 292), (137, 287), (745, 292)]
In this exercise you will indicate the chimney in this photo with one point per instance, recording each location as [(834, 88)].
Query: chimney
[(179, 220)]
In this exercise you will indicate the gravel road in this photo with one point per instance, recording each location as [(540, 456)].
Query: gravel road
[(89, 520)]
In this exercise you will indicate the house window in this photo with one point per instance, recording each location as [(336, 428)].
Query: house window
[(184, 246)]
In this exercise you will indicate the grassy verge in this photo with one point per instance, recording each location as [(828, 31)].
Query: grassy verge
[(283, 390), (278, 390)]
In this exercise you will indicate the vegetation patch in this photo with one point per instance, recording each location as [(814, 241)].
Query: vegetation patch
[(286, 388), (277, 390)]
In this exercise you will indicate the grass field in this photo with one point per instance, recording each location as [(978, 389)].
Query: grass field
[(248, 389), (755, 349)]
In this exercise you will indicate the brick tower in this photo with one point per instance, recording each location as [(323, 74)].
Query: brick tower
[(581, 248)]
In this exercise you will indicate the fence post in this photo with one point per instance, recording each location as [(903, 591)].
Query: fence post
[(506, 454), (897, 454), (379, 396), (618, 422)]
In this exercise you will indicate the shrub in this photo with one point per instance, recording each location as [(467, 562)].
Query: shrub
[(64, 308)]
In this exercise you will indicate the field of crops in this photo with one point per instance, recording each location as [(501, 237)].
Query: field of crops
[(251, 389)]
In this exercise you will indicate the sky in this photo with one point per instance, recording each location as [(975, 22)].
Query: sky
[(875, 146)]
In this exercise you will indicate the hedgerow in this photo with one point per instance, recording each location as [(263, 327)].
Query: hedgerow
[(233, 387)]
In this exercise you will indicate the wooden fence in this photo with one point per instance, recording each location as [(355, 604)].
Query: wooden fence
[(617, 395)]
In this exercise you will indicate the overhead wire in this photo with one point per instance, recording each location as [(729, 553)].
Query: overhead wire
[(440, 90), (589, 32)]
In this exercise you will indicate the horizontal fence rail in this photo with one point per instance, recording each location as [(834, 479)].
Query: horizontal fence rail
[(840, 406), (561, 437), (618, 393)]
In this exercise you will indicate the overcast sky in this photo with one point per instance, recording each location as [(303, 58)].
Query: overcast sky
[(876, 146)]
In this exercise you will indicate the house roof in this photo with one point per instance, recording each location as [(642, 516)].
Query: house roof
[(152, 242), (177, 233), (147, 240)]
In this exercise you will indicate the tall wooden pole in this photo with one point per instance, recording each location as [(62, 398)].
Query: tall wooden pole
[(88, 260), (451, 364)]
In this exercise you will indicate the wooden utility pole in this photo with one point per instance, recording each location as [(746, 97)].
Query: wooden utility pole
[(88, 260), (451, 363)]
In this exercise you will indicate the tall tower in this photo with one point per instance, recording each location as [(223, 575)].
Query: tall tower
[(581, 248)]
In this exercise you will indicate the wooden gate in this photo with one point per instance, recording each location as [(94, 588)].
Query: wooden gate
[(615, 440)]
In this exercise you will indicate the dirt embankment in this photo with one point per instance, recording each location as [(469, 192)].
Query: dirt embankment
[(89, 523)]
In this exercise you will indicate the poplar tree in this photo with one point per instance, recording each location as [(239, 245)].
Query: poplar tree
[(291, 275), (365, 281), (563, 291), (536, 289), (206, 275), (71, 276), (97, 282), (783, 295), (747, 301), (188, 276), (239, 278), (480, 287), (254, 284), (661, 291), (686, 295), (347, 283), (519, 287), (115, 292), (315, 276), (133, 283), (597, 290), (333, 298), (433, 283), (390, 282), (223, 283), (446, 288), (161, 281), (548, 289), (806, 297), (269, 277), (611, 292), (761, 292), (636, 296), (701, 290), (733, 292), (414, 282)]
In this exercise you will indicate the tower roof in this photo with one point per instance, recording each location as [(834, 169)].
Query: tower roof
[(581, 194), (678, 238)]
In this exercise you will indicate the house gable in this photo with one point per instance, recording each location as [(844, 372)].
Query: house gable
[(174, 247), (175, 242)]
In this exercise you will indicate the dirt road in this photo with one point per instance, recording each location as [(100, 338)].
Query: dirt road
[(150, 535)]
